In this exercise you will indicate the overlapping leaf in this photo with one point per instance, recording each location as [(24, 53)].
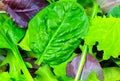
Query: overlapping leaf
[(10, 34), (105, 31), (21, 11), (91, 65)]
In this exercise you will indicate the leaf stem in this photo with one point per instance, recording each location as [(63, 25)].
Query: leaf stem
[(81, 63), (22, 64), (95, 9)]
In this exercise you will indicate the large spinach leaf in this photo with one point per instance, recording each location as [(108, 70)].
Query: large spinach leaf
[(56, 31)]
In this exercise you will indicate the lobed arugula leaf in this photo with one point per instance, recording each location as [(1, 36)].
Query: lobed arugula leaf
[(11, 77), (56, 31), (44, 73), (105, 31), (10, 35)]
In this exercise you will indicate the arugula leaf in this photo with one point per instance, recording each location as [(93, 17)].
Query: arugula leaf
[(56, 31), (105, 31), (11, 77), (111, 73), (44, 74), (10, 35)]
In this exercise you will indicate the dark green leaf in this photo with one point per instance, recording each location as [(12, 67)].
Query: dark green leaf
[(115, 12), (56, 31)]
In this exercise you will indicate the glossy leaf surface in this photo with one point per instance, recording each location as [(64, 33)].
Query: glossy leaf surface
[(56, 31)]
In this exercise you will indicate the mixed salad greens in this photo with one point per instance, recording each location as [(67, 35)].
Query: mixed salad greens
[(59, 40)]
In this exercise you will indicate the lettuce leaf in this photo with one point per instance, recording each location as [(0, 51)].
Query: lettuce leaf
[(105, 31)]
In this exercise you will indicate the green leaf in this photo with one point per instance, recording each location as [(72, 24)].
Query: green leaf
[(60, 69), (92, 77), (10, 35), (11, 77), (56, 31), (111, 74), (105, 31), (24, 44), (9, 32), (44, 74), (115, 11)]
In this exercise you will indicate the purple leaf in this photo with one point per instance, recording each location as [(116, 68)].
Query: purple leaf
[(21, 11), (106, 5), (91, 65)]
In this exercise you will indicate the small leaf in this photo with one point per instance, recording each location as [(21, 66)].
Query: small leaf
[(92, 77), (44, 74), (112, 74), (115, 12)]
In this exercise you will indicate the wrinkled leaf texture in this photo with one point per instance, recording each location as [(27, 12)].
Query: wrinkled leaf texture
[(56, 31), (21, 11), (105, 31)]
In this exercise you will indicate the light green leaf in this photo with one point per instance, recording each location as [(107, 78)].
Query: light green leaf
[(44, 74), (10, 35), (111, 74), (92, 77), (24, 43), (56, 31), (11, 77), (105, 31), (60, 70)]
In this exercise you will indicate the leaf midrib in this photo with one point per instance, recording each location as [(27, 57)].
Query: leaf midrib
[(40, 59)]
